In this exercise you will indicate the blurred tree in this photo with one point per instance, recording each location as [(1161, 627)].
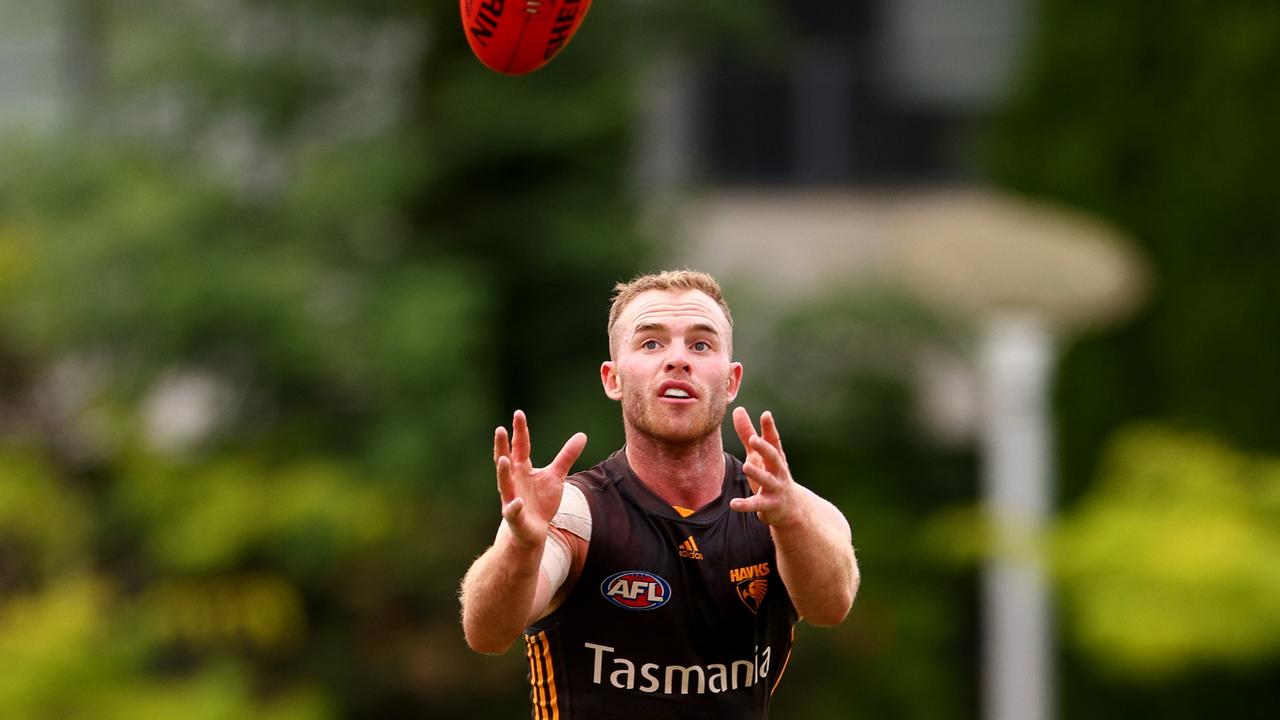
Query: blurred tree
[(1169, 563), (1161, 119), (261, 302)]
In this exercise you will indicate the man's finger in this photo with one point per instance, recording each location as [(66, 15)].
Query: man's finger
[(511, 512), (506, 486), (519, 437), (769, 455), (769, 431), (501, 446), (751, 480), (568, 455), (742, 425), (761, 477), (755, 503)]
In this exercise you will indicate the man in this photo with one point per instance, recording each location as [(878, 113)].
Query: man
[(663, 582)]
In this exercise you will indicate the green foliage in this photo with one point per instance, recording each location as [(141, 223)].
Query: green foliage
[(353, 251), (1169, 563), (44, 529), (1160, 117), (303, 518), (1164, 568), (73, 651)]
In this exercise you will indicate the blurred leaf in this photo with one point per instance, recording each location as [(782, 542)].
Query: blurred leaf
[(263, 611), (307, 516), (363, 250), (1171, 562), (45, 527)]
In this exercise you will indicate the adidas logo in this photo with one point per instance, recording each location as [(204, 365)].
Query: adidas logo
[(689, 549)]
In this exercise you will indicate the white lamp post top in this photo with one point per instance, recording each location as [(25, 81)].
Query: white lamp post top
[(982, 252)]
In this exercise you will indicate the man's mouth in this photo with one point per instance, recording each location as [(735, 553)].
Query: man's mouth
[(674, 390)]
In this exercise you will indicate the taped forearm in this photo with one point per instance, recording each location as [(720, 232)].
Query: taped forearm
[(509, 587)]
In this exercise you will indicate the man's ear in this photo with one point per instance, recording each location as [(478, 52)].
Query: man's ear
[(735, 380), (610, 379)]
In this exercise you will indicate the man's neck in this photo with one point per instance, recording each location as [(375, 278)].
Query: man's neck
[(689, 475)]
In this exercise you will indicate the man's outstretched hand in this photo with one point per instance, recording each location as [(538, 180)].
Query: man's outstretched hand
[(776, 500), (812, 538), (530, 496)]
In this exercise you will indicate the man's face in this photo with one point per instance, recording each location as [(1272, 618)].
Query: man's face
[(671, 367)]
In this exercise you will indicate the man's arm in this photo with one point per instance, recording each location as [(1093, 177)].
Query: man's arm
[(505, 589), (813, 541)]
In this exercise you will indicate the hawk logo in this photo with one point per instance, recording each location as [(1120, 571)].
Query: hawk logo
[(636, 590), (752, 592), (689, 549), (752, 585)]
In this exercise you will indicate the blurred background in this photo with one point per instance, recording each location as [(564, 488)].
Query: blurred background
[(271, 271)]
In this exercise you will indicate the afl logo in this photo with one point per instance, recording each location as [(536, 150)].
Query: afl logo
[(636, 590)]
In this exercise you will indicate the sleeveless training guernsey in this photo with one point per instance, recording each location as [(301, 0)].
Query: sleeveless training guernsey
[(672, 617)]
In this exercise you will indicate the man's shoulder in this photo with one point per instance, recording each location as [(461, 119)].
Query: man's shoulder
[(601, 476)]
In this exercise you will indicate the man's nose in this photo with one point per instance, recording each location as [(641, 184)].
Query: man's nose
[(677, 358)]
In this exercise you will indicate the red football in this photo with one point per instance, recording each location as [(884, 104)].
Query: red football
[(519, 36)]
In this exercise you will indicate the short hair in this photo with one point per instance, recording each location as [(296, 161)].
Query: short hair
[(624, 293)]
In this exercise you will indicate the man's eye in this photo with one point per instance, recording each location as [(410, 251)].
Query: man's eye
[(650, 345), (702, 346)]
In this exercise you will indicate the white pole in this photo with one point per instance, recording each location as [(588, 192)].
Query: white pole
[(1016, 364)]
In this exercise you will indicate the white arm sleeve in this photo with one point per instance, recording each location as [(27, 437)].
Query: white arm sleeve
[(574, 516), (555, 561)]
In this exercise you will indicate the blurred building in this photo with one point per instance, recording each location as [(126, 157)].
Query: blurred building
[(799, 156), (858, 94), (867, 93)]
